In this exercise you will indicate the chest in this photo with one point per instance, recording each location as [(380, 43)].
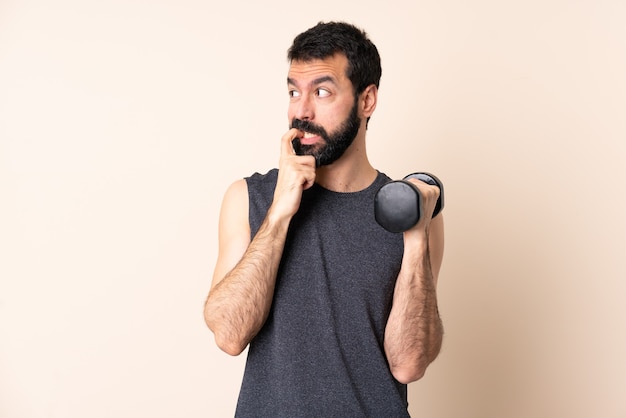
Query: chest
[(338, 257)]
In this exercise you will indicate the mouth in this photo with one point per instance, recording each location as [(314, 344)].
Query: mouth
[(309, 138)]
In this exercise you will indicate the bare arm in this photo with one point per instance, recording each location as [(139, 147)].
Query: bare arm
[(414, 331), (241, 296), (245, 273)]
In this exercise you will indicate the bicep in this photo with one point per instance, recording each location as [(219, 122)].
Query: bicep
[(234, 230)]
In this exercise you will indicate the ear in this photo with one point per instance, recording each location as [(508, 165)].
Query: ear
[(369, 98)]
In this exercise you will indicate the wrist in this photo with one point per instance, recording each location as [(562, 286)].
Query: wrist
[(415, 242), (277, 219)]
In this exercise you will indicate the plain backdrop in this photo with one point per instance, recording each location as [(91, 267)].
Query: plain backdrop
[(122, 122)]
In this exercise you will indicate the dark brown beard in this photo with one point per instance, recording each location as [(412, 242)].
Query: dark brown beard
[(334, 144)]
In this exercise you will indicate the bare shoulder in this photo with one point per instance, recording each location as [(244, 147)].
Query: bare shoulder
[(234, 210), (234, 229), (237, 191)]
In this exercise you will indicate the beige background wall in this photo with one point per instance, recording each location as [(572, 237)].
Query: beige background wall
[(122, 123)]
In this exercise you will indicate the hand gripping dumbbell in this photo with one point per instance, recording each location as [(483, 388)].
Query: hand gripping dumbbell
[(398, 204)]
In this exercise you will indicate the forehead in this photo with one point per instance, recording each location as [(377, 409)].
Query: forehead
[(333, 67)]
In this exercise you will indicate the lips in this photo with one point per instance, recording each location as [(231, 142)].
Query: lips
[(309, 138)]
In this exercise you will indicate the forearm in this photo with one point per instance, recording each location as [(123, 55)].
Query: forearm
[(414, 330), (239, 304)]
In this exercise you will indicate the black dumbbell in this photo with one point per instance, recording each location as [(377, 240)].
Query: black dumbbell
[(398, 204)]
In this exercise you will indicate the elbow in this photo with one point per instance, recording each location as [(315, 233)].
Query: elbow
[(414, 366), (224, 340), (230, 346), (414, 369), (406, 375)]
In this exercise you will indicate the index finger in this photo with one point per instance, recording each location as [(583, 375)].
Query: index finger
[(286, 146)]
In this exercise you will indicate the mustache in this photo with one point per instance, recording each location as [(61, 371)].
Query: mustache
[(308, 126)]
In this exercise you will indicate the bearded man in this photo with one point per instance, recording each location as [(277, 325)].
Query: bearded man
[(339, 314)]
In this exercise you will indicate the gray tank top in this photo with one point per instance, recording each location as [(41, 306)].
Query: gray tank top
[(320, 352)]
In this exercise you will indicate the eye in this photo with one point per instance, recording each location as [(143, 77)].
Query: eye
[(294, 93), (321, 92)]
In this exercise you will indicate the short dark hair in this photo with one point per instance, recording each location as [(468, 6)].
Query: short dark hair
[(327, 39)]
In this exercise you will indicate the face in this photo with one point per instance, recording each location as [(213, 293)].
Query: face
[(323, 106), (333, 145)]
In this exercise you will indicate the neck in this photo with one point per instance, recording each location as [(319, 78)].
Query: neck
[(351, 173)]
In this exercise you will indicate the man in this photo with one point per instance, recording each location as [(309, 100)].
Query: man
[(340, 315)]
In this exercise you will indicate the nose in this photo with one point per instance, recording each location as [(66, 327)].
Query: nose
[(303, 108)]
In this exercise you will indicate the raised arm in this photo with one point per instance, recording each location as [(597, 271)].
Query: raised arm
[(245, 273), (414, 331)]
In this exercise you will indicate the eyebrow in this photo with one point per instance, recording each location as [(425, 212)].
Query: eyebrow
[(317, 81)]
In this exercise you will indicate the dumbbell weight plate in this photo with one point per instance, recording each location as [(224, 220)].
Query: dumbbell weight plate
[(433, 181), (395, 205)]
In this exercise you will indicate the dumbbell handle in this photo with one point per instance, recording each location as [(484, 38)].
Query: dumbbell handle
[(398, 204), (433, 181)]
